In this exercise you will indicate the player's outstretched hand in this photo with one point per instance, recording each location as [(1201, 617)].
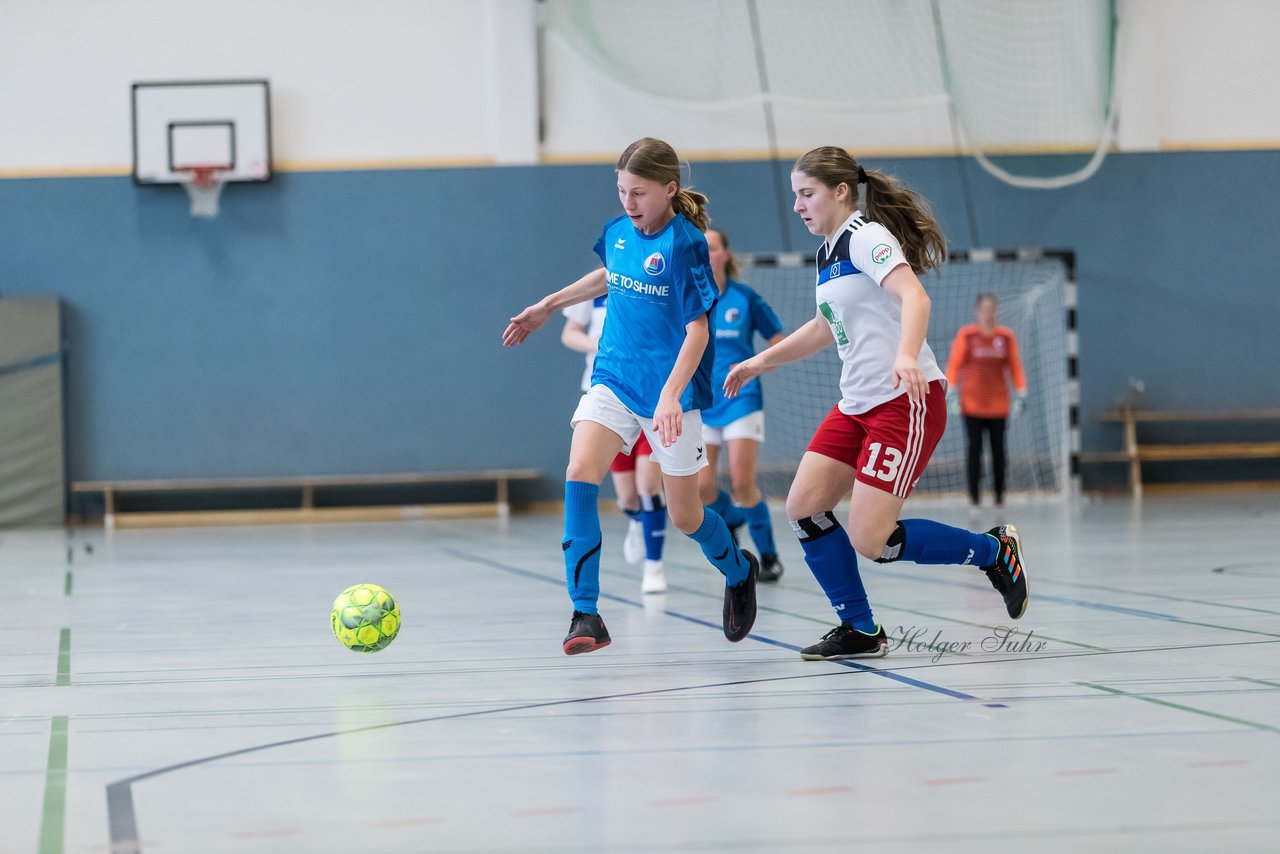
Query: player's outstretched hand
[(741, 374), (668, 420), (907, 375), (525, 324)]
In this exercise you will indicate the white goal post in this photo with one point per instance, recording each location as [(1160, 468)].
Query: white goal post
[(1036, 293)]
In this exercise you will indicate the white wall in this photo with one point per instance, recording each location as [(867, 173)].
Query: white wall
[(353, 83), (423, 82)]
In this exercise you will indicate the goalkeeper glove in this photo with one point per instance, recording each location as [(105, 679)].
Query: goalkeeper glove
[(1019, 404)]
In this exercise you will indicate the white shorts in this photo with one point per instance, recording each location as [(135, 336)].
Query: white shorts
[(747, 427), (687, 456)]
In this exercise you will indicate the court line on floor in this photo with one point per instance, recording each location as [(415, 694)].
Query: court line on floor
[(886, 606), (1166, 596), (1084, 603), (64, 658), (888, 674), (1182, 708), (121, 815), (54, 808)]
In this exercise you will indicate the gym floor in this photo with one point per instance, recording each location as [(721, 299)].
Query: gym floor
[(180, 691)]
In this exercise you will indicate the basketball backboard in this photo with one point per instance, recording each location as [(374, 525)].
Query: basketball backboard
[(219, 125)]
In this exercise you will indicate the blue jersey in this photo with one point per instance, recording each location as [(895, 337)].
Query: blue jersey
[(658, 284), (740, 315)]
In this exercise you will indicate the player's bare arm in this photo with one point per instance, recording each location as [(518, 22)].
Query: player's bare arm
[(905, 285), (532, 318), (668, 418), (810, 338)]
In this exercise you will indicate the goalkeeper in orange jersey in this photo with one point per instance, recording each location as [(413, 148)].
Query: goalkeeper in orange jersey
[(984, 361)]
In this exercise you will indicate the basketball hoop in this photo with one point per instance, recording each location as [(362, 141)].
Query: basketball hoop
[(204, 186)]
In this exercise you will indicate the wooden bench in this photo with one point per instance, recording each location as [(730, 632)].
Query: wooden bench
[(308, 488), (1136, 452)]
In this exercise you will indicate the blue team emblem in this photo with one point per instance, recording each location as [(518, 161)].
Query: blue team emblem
[(835, 270), (732, 315), (655, 264)]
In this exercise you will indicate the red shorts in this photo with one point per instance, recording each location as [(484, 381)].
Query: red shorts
[(627, 462), (889, 445)]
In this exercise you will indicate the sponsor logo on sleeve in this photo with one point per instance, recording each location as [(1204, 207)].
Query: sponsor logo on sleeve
[(881, 253), (655, 264)]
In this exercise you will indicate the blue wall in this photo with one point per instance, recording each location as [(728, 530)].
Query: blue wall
[(350, 322)]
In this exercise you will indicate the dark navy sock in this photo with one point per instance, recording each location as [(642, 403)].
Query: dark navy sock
[(730, 512), (582, 544), (653, 516), (761, 527), (834, 564), (931, 542), (713, 536)]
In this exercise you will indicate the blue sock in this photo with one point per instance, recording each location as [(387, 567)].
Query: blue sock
[(654, 518), (632, 513), (582, 544), (935, 543), (834, 563), (713, 536), (761, 527), (731, 513)]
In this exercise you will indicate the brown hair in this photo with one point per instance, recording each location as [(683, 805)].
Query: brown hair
[(730, 266), (888, 201), (654, 160)]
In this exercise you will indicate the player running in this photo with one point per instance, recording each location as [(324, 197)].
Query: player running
[(878, 438), (652, 375)]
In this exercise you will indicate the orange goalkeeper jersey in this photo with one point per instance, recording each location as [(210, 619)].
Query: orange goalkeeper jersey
[(980, 363)]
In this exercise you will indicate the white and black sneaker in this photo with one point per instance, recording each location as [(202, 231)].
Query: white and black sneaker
[(1009, 573), (844, 641)]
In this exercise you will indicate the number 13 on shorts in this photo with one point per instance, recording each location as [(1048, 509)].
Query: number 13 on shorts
[(882, 462)]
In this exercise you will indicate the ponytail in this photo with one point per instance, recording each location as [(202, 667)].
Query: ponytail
[(908, 217), (889, 202), (693, 205)]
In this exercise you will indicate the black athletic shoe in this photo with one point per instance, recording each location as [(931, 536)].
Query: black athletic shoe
[(586, 634), (1009, 573), (740, 602), (770, 568), (844, 641)]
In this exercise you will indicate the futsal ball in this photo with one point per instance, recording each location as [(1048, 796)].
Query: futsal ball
[(365, 618)]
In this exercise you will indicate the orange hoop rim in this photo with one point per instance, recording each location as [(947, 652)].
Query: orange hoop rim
[(202, 176)]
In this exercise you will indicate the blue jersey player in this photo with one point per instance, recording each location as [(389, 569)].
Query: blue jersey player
[(737, 423), (652, 375)]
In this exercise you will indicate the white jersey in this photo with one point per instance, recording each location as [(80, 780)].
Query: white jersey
[(590, 316), (865, 319)]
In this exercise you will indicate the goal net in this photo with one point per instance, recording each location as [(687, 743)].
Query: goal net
[(990, 77), (1035, 294)]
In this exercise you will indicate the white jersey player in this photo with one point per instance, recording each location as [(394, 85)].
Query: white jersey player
[(892, 410)]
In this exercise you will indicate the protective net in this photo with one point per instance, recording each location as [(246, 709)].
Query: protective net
[(1035, 297), (1018, 76)]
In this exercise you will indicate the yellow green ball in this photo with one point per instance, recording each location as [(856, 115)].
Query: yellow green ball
[(365, 618)]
